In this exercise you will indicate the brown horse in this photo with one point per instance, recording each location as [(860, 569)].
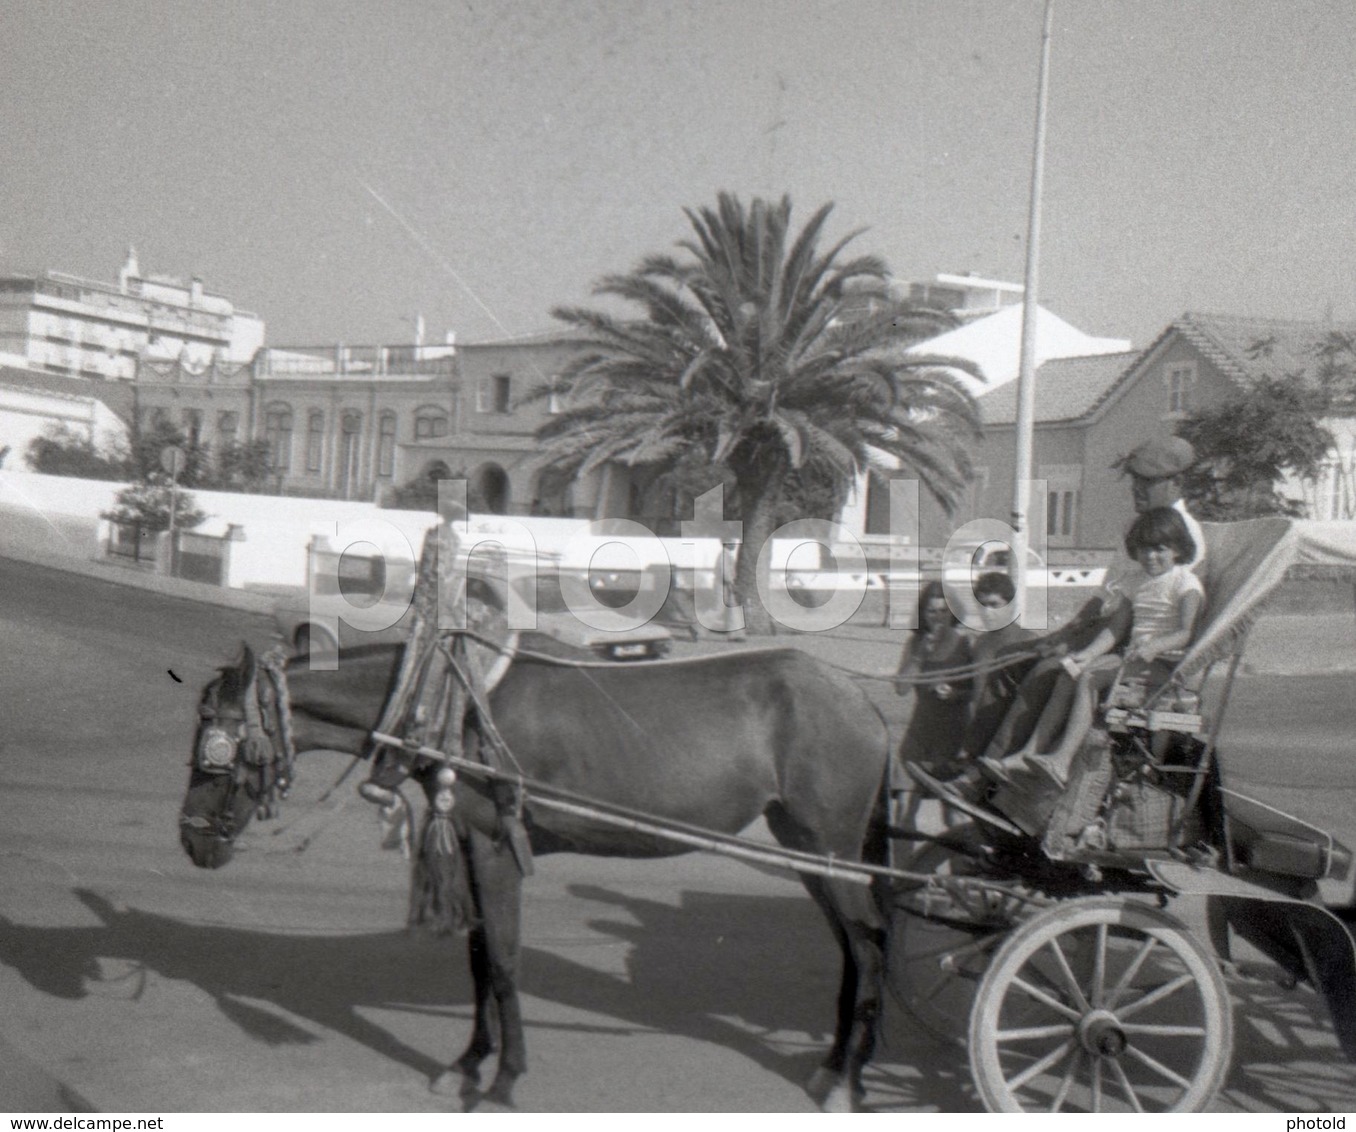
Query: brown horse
[(714, 742)]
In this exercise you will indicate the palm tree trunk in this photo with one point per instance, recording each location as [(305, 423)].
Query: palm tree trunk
[(760, 517)]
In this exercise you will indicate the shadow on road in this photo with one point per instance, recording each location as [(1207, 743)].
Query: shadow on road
[(319, 978), (753, 975)]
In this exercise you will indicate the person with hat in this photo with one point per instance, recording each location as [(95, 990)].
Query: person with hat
[(1156, 469)]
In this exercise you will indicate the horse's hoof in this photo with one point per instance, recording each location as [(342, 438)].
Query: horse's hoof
[(498, 1099), (839, 1098), (451, 1083), (822, 1082)]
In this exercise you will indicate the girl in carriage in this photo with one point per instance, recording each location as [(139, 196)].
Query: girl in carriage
[(1166, 598)]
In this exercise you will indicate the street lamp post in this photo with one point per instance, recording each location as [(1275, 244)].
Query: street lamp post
[(1026, 378)]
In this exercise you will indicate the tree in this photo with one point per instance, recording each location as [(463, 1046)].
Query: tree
[(421, 492), (63, 452), (763, 357), (147, 505), (240, 467), (1246, 445), (149, 443)]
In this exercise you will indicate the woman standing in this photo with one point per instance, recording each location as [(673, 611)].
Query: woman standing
[(937, 726)]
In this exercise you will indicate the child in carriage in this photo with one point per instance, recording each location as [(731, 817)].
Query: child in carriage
[(1166, 598)]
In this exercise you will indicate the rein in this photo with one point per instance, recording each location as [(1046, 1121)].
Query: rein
[(932, 676)]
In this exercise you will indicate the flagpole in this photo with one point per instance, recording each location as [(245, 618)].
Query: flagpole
[(1026, 375)]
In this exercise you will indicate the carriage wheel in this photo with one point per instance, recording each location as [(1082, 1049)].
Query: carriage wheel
[(941, 942), (1100, 1005)]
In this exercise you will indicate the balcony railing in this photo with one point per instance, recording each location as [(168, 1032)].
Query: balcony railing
[(356, 361)]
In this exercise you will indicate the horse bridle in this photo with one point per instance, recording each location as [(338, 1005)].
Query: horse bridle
[(253, 745)]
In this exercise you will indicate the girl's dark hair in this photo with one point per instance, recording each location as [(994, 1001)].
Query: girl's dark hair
[(995, 582), (931, 592), (1162, 526)]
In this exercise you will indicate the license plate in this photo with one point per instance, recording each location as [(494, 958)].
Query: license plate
[(625, 652)]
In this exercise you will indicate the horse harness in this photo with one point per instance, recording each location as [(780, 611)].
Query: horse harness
[(251, 742), (444, 703)]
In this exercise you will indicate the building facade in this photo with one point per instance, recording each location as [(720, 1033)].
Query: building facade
[(62, 324), (358, 422), (1091, 411)]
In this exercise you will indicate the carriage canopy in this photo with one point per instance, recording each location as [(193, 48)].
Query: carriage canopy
[(1245, 564)]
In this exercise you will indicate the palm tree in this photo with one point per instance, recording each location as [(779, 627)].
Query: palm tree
[(780, 364)]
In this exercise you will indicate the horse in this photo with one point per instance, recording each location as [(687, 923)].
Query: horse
[(714, 742)]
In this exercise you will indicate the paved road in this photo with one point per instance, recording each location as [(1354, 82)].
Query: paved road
[(132, 982)]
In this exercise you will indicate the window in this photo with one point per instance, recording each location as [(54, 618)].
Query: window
[(1060, 509), (278, 437), (1180, 377), (429, 424), (350, 424), (228, 424), (315, 440), (386, 436), (1063, 486), (192, 423), (1331, 494), (494, 394)]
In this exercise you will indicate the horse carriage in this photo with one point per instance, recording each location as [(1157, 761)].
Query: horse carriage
[(1036, 931), (1050, 956)]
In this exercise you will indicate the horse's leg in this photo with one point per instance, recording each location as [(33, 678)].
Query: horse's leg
[(854, 905), (499, 898), (858, 926), (463, 1076)]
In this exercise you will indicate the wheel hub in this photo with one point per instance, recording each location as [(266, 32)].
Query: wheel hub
[(1101, 1035)]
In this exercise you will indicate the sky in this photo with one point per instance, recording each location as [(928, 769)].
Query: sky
[(342, 167)]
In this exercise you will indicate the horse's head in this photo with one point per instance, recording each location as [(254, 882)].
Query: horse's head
[(242, 757)]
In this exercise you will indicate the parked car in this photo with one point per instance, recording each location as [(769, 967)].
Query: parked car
[(965, 562), (306, 621)]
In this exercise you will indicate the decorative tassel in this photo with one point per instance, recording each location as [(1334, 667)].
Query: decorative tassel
[(440, 894)]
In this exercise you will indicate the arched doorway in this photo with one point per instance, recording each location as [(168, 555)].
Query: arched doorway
[(554, 494), (488, 490)]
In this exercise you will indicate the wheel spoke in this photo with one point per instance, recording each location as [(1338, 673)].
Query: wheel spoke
[(1157, 996), (1096, 1105), (1157, 1066), (1098, 987), (1067, 1083), (1128, 975), (1028, 1033), (1163, 1031), (1048, 999), (1037, 1068), (1119, 1071), (1070, 981)]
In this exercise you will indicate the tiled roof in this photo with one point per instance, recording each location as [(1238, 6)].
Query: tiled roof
[(1243, 349), (1066, 388), (1250, 348)]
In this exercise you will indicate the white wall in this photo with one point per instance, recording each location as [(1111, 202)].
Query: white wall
[(275, 532), (26, 414)]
